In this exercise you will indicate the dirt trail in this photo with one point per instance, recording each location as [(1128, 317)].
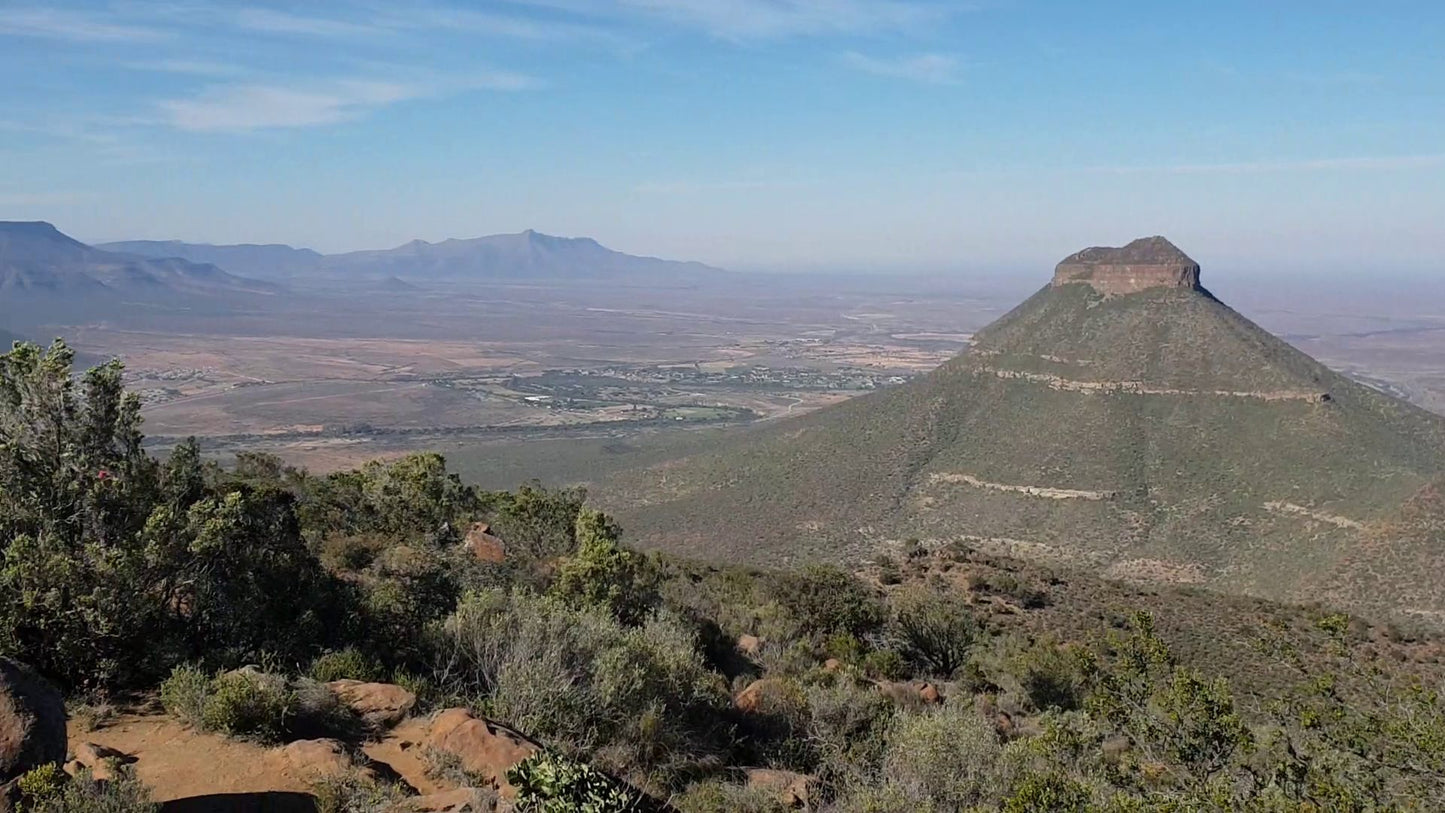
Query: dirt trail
[(1032, 491), (1303, 511)]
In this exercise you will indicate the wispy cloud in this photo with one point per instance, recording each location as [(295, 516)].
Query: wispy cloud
[(243, 108), (272, 21), (772, 19), (187, 67), (938, 69), (75, 26)]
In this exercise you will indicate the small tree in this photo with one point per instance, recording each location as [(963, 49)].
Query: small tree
[(1181, 723), (935, 631), (605, 575)]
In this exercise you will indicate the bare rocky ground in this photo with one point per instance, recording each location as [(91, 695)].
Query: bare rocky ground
[(187, 769)]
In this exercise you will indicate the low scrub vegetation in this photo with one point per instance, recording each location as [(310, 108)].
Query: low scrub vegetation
[(256, 705), (648, 678)]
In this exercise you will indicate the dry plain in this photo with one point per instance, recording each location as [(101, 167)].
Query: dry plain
[(565, 383)]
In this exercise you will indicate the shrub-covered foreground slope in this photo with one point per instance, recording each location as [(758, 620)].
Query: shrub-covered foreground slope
[(1155, 436), (942, 680)]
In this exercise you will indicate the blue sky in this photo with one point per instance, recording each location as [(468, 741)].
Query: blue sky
[(791, 134)]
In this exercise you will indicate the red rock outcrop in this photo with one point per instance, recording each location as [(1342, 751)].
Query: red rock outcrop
[(485, 749), (379, 705), (1149, 262)]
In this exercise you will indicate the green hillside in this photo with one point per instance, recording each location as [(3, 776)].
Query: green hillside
[(1151, 435)]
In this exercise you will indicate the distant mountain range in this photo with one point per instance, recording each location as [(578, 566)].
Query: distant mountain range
[(38, 261), (271, 261), (528, 256)]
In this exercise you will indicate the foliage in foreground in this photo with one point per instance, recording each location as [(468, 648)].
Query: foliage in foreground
[(48, 790), (119, 569), (550, 783)]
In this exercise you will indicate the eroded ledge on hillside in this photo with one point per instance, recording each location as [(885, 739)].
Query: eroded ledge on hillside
[(1140, 388)]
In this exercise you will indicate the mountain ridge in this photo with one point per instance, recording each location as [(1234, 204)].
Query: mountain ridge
[(45, 273), (1132, 424), (509, 257)]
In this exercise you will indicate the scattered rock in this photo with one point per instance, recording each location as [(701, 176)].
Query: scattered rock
[(485, 749), (485, 546), (379, 705), (910, 693), (832, 665), (100, 760), (32, 721), (759, 694), (790, 789), (750, 645), (317, 758)]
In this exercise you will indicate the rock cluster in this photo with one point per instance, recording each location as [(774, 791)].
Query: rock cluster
[(1149, 262)]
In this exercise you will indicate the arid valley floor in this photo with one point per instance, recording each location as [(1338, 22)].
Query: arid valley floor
[(516, 382)]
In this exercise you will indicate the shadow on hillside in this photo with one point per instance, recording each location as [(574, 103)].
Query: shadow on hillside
[(264, 802)]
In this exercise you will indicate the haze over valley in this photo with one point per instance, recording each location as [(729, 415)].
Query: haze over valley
[(721, 406)]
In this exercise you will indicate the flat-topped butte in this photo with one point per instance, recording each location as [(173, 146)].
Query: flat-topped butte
[(1149, 262)]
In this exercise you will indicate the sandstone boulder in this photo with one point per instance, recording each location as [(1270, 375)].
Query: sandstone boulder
[(484, 545), (910, 694), (32, 721), (485, 749), (100, 760), (790, 789), (750, 645), (314, 759), (379, 705), (929, 694), (761, 695)]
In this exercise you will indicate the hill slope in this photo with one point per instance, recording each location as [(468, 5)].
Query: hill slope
[(1122, 418)]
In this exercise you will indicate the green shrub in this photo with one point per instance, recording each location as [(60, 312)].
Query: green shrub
[(846, 728), (934, 630), (350, 552), (826, 600), (884, 664), (945, 757), (41, 783), (580, 677), (1048, 793), (551, 783), (602, 574), (184, 694), (84, 794), (1050, 676), (347, 664), (717, 796), (355, 793), (257, 705), (249, 704)]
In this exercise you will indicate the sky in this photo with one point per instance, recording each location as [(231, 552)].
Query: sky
[(860, 135)]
